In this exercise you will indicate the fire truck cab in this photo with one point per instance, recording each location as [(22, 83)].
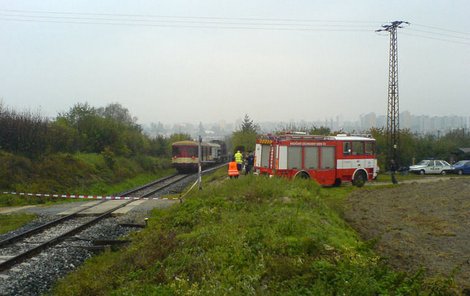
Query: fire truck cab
[(330, 160)]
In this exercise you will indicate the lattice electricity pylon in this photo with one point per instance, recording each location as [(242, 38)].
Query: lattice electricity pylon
[(393, 110)]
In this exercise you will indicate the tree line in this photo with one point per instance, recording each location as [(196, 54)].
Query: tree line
[(108, 130), (412, 147), (112, 130)]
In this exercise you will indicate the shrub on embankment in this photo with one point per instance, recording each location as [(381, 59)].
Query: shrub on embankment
[(251, 236), (72, 173), (83, 151)]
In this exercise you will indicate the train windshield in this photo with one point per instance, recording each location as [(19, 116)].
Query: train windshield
[(184, 151)]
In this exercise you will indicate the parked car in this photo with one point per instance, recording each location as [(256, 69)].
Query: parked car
[(462, 167), (431, 166)]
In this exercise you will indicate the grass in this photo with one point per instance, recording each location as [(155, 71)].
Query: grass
[(9, 222), (81, 173), (98, 188), (247, 236)]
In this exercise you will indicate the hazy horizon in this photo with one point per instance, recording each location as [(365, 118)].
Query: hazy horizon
[(181, 61)]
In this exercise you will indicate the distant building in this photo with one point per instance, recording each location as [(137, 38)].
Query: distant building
[(419, 124), (368, 121), (405, 120)]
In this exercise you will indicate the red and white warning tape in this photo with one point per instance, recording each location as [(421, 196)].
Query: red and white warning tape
[(76, 196)]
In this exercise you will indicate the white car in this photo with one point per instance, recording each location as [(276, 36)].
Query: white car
[(431, 167)]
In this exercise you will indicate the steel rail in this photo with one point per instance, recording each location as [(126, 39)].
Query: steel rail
[(37, 249), (166, 185), (131, 191), (43, 227), (5, 265), (65, 218)]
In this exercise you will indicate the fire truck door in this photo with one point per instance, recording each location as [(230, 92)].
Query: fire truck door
[(282, 165), (258, 155), (327, 173)]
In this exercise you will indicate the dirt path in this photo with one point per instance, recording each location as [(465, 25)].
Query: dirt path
[(418, 225)]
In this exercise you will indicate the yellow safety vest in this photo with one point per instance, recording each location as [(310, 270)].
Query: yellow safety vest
[(238, 157)]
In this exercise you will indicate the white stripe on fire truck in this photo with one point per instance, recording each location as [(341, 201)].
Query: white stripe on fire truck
[(356, 163)]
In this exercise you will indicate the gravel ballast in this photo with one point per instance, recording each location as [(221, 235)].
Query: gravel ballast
[(37, 275)]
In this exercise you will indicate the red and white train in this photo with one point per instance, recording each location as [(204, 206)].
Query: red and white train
[(330, 160), (185, 155)]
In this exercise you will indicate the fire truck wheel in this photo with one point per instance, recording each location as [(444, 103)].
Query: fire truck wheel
[(359, 179), (337, 182), (302, 175)]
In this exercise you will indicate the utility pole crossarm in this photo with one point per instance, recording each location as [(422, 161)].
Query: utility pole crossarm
[(393, 26)]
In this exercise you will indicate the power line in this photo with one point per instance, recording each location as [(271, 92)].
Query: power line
[(189, 17), (165, 21), (207, 22), (441, 29), (66, 18), (435, 38), (247, 27), (440, 34)]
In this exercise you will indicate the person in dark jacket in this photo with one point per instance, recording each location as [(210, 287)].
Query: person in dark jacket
[(250, 162), (393, 170)]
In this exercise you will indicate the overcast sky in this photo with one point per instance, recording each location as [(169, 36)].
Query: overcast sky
[(191, 61)]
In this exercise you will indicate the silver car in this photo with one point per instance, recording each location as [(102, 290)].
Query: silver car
[(429, 166)]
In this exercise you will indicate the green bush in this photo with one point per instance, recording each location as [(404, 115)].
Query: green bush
[(14, 170)]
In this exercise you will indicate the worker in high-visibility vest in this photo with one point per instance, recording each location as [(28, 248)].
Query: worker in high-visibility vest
[(232, 169), (239, 160)]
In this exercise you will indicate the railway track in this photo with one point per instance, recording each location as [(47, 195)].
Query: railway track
[(18, 248), (154, 187), (31, 262)]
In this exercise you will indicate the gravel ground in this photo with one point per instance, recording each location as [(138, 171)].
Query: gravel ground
[(37, 275), (40, 220), (418, 225), (26, 244)]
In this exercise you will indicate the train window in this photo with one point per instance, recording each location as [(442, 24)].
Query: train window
[(206, 154), (328, 157), (175, 151), (357, 148), (347, 148), (370, 148), (184, 151), (311, 158), (189, 152), (294, 157)]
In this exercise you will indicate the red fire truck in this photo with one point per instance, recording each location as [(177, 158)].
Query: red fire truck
[(329, 160)]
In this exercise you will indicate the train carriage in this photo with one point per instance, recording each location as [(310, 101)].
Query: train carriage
[(329, 160), (185, 155)]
